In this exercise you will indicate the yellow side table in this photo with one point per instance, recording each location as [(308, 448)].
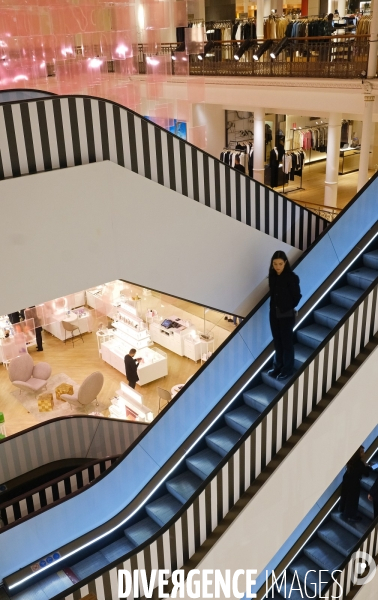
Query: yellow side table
[(45, 402), (63, 388)]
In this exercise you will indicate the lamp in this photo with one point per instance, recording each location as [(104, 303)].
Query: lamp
[(261, 49), (243, 48), (208, 47), (280, 46)]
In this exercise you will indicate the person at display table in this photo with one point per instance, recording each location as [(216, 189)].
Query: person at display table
[(238, 166), (131, 366)]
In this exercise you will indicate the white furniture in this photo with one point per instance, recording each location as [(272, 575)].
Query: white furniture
[(192, 347), (128, 405), (171, 338), (88, 391), (82, 318), (154, 365), (103, 335), (176, 388), (207, 347), (27, 376)]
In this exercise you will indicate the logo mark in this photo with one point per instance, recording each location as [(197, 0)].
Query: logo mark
[(364, 568)]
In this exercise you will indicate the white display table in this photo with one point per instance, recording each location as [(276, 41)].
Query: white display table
[(84, 323), (154, 366), (173, 338), (127, 404), (192, 347)]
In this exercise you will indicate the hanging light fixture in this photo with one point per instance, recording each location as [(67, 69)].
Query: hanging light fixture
[(243, 48), (261, 49), (209, 46), (280, 46)]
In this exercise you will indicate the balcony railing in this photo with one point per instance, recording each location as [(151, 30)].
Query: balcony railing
[(342, 56)]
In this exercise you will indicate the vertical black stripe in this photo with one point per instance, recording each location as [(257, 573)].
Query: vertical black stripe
[(325, 369), (363, 324), (74, 131), (30, 503), (355, 333), (104, 130), (336, 349), (257, 206), (263, 442), (315, 381), (301, 229), (267, 212), (77, 594), (12, 143), (106, 582), (29, 144), (133, 150), (55, 491), (293, 225), (208, 509), (45, 142), (160, 552), (206, 179), (295, 407), (248, 184), (230, 483), (118, 135), (217, 185), (373, 311), (242, 469), (1, 167), (195, 174), (310, 220), (184, 532), (239, 181), (92, 586), (67, 486), (317, 227), (197, 531), (284, 219), (253, 456), (219, 496), (274, 429), (171, 162), (159, 157), (228, 191), (305, 393), (285, 408), (57, 109), (146, 149), (275, 216), (183, 167), (147, 561), (89, 130), (172, 546)]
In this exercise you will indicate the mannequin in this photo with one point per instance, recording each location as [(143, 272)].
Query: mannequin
[(275, 159)]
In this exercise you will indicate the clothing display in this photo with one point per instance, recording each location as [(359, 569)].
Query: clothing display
[(363, 25), (308, 27), (293, 162), (315, 138), (245, 153), (275, 27)]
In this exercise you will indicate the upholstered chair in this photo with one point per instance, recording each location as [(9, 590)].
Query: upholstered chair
[(27, 376), (88, 391)]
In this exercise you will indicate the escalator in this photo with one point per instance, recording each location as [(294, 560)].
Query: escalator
[(331, 296)]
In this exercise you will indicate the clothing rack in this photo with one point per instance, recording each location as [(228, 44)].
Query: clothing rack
[(307, 128), (301, 179)]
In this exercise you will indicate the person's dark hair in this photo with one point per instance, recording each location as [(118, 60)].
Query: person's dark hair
[(279, 254), (330, 17), (355, 459), (237, 159), (132, 351)]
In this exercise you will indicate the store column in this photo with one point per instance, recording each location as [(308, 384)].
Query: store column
[(260, 20), (367, 123), (259, 145), (332, 161), (373, 42)]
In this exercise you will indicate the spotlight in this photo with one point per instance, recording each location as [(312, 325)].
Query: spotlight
[(208, 47), (280, 46), (261, 49), (363, 74), (243, 48)]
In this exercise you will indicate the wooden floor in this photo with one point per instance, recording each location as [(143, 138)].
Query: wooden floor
[(80, 360)]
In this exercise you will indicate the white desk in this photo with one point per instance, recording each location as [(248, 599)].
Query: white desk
[(155, 363), (56, 328), (173, 339)]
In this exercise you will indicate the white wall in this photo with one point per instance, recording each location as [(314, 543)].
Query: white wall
[(213, 117), (369, 591), (67, 230), (286, 497)]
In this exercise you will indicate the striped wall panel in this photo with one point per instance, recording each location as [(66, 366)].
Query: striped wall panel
[(72, 437), (55, 133), (176, 545)]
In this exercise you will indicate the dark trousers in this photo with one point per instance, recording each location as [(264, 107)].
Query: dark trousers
[(282, 332), (132, 384), (38, 337), (350, 496), (375, 507)]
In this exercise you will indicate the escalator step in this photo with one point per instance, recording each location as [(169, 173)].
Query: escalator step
[(367, 482), (203, 463), (117, 549), (370, 259), (338, 537), (346, 296), (323, 555), (302, 353), (223, 440), (183, 486), (241, 418), (365, 506), (260, 397), (358, 528), (163, 509), (277, 384), (329, 315), (312, 335), (304, 566), (362, 278), (89, 565), (142, 531)]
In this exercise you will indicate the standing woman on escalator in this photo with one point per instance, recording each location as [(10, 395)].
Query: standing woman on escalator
[(285, 294)]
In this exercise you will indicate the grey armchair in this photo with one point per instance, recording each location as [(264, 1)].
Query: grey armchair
[(27, 376), (88, 391)]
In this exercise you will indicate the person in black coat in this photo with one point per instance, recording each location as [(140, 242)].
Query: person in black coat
[(351, 486), (131, 367), (238, 166), (373, 497), (285, 294)]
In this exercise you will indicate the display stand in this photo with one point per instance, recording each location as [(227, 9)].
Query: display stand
[(301, 177), (207, 347), (128, 405), (103, 335), (82, 319), (172, 338)]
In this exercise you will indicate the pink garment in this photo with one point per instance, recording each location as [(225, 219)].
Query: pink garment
[(307, 139)]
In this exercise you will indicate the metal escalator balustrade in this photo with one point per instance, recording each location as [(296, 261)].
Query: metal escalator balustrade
[(228, 458)]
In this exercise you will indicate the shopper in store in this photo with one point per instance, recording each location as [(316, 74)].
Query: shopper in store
[(238, 166), (38, 327), (131, 367), (351, 486), (285, 294)]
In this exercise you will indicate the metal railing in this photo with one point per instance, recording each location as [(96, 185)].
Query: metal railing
[(322, 210), (60, 487), (342, 56)]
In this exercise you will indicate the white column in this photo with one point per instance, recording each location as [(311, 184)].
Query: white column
[(267, 7), (363, 172), (260, 20), (332, 162), (341, 7), (245, 9), (259, 145), (373, 45)]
